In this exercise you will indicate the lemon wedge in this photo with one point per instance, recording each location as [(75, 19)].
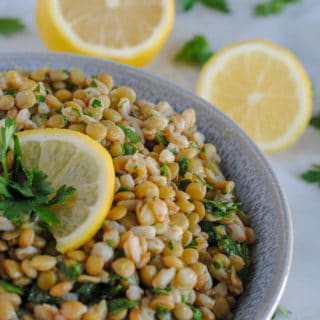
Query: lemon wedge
[(73, 159), (127, 31), (263, 88)]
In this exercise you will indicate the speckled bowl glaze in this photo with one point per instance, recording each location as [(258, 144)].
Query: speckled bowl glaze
[(256, 184)]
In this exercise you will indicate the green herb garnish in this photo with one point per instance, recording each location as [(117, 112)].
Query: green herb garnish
[(96, 103), (12, 92), (72, 271), (281, 311), (170, 245), (38, 296), (204, 182), (161, 139), (129, 133), (183, 166), (93, 84), (164, 170), (196, 51), (272, 7), (11, 288), (64, 120), (117, 305), (315, 121), (24, 192), (312, 175), (161, 309), (197, 314), (128, 149), (208, 227), (233, 248), (182, 185), (217, 265), (40, 99), (219, 5), (193, 243), (161, 290), (9, 26), (220, 208), (109, 242)]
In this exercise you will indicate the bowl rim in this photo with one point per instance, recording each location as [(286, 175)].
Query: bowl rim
[(271, 304)]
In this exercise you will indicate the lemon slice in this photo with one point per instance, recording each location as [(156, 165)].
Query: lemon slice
[(263, 88), (127, 31), (74, 159)]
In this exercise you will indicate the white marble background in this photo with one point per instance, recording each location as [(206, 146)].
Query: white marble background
[(298, 29)]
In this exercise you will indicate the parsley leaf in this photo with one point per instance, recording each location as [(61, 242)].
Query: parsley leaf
[(183, 166), (182, 185), (281, 310), (208, 228), (161, 309), (117, 305), (129, 133), (161, 139), (272, 7), (9, 26), (128, 149), (23, 192), (197, 314), (312, 175), (164, 170), (202, 181), (71, 271), (40, 99), (96, 103), (39, 296), (188, 4), (94, 84), (315, 121), (233, 248), (10, 287), (219, 5), (193, 243), (196, 51), (220, 208), (161, 290), (12, 92)]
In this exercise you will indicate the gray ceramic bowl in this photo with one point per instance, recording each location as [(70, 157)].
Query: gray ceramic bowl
[(256, 184)]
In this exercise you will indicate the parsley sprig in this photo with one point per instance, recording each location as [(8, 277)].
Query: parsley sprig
[(219, 5), (9, 26), (220, 208), (197, 51), (272, 7), (24, 193), (312, 175)]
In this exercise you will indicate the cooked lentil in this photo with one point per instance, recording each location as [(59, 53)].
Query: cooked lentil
[(160, 252)]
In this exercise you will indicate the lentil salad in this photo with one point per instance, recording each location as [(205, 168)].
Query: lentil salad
[(175, 242)]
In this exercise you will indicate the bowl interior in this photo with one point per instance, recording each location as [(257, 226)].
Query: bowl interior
[(256, 185)]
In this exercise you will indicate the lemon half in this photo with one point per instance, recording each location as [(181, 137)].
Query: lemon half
[(263, 88), (73, 159)]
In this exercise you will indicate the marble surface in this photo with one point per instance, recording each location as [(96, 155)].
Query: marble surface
[(298, 29)]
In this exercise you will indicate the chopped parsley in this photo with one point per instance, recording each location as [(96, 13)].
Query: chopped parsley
[(193, 243), (109, 242), (183, 166), (40, 99), (196, 51), (71, 272), (161, 139), (204, 182), (161, 309), (170, 245), (166, 290), (129, 133), (96, 103), (93, 84), (11, 288), (117, 305), (231, 247), (64, 120), (164, 170), (128, 149), (12, 92), (217, 265), (182, 185), (220, 209)]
